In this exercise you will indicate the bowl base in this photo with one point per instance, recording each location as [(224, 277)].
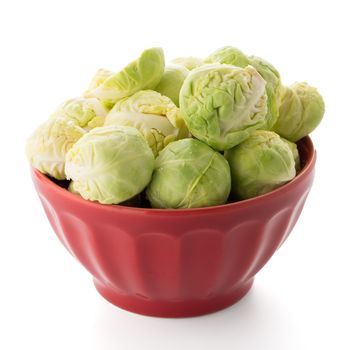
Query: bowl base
[(159, 308)]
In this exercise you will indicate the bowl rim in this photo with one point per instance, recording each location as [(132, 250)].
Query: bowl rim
[(72, 197)]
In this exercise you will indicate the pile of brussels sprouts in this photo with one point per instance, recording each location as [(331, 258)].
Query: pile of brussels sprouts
[(192, 133)]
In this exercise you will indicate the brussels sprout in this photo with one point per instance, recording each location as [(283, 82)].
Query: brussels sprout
[(143, 73), (86, 112), (228, 55), (188, 62), (260, 164), (100, 76), (47, 147), (223, 104), (273, 88), (156, 129), (154, 115), (294, 148), (95, 122), (109, 164), (301, 111), (136, 201), (171, 82), (189, 174), (235, 57), (152, 102)]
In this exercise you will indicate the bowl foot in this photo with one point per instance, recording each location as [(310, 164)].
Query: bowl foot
[(162, 308)]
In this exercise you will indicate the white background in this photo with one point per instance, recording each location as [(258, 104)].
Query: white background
[(49, 51)]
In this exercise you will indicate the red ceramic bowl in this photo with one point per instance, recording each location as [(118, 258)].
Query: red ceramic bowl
[(176, 263)]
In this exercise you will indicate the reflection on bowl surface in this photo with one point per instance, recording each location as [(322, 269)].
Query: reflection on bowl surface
[(176, 263)]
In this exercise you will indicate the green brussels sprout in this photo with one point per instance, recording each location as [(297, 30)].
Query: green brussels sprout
[(48, 145), (189, 174), (152, 102), (143, 73), (154, 115), (301, 111), (222, 104), (260, 164), (228, 55), (109, 164), (294, 148), (188, 62), (273, 88), (171, 82), (86, 112), (100, 76), (156, 129), (235, 57)]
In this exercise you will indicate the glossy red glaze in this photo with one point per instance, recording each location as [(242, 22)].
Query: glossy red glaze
[(176, 263)]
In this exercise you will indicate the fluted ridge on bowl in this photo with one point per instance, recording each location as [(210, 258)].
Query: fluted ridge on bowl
[(198, 263)]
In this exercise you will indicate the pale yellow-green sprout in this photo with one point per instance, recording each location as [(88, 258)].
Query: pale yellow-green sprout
[(47, 147), (86, 112), (273, 88), (223, 104), (228, 55), (171, 82), (156, 129), (261, 163), (143, 73), (100, 76), (235, 57), (154, 115), (151, 102), (301, 110), (294, 148), (188, 62), (189, 174), (109, 164)]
